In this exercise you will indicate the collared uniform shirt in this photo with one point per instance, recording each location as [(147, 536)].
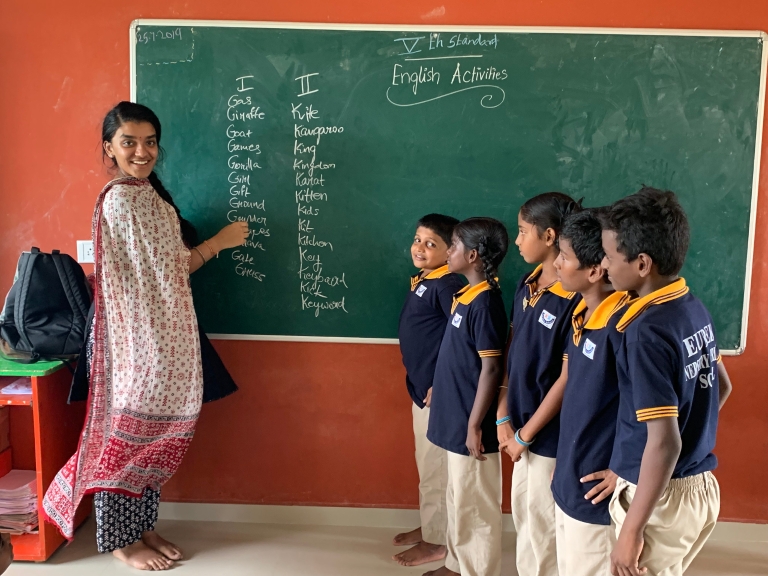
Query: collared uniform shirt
[(667, 368), (590, 408), (477, 329), (541, 322), (423, 319)]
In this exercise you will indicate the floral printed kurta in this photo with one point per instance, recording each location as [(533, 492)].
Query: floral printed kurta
[(146, 376)]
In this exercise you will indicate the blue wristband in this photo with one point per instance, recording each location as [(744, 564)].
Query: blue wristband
[(501, 421), (521, 441)]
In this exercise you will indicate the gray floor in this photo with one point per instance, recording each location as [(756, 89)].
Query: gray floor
[(234, 549)]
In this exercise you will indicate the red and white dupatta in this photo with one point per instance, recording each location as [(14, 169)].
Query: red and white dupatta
[(146, 384)]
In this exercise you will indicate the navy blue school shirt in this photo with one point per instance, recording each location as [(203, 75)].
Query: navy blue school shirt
[(541, 323), (477, 329), (422, 325), (667, 369), (590, 408)]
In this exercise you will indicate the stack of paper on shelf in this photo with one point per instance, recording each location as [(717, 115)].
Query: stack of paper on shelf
[(18, 501), (20, 386)]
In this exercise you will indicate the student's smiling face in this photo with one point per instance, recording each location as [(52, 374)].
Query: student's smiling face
[(622, 274), (571, 276), (533, 248), (134, 147), (428, 251)]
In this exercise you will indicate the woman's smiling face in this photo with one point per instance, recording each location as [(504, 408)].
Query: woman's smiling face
[(135, 149)]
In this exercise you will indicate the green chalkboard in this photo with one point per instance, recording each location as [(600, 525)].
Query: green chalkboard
[(333, 140)]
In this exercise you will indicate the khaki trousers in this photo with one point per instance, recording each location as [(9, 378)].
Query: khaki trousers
[(680, 524), (533, 512), (474, 515), (432, 463), (583, 549)]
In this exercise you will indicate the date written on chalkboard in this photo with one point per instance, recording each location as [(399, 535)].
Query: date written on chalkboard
[(152, 35)]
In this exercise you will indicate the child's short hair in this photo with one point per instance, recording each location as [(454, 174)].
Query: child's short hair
[(548, 210), (585, 233), (440, 224), (651, 222)]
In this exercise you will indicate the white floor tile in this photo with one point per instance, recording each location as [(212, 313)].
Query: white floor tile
[(235, 549)]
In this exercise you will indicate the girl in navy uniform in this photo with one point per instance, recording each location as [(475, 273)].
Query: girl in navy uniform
[(528, 422), (464, 392)]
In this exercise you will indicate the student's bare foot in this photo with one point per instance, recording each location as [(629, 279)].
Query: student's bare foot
[(422, 553), (443, 571), (167, 549), (140, 556), (408, 538)]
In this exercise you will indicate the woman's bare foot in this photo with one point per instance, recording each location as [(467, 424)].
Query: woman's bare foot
[(422, 553), (140, 556), (167, 549), (408, 538), (441, 572)]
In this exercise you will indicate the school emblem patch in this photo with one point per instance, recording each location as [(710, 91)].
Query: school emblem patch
[(456, 320), (420, 290), (589, 349), (547, 319)]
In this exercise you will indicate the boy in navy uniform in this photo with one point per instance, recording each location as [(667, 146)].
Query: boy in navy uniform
[(422, 325), (582, 484), (672, 385)]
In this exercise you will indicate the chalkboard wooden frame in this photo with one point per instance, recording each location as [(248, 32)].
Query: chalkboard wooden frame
[(488, 29)]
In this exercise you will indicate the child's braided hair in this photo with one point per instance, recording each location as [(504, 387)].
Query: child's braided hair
[(489, 237)]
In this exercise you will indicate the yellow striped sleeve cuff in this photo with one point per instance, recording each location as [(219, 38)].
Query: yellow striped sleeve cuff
[(488, 353), (719, 358), (565, 356), (659, 412)]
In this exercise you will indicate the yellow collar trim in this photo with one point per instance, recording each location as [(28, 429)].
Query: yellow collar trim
[(671, 292), (469, 293), (535, 274), (534, 295), (437, 273), (605, 310), (600, 316)]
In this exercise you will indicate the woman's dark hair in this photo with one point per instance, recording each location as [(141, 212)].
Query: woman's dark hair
[(132, 112), (652, 222), (489, 237), (549, 210)]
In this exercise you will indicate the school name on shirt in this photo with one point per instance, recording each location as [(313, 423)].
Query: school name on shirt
[(702, 366)]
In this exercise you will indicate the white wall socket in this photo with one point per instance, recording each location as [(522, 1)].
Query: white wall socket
[(85, 251)]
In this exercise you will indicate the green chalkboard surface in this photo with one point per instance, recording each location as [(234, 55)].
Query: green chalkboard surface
[(333, 140)]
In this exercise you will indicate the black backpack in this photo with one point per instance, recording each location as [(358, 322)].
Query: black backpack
[(46, 310)]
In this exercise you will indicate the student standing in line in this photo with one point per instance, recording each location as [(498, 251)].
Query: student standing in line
[(461, 421), (583, 484), (144, 359), (672, 385), (422, 325), (528, 421)]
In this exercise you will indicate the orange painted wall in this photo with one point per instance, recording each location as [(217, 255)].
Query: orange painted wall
[(314, 423)]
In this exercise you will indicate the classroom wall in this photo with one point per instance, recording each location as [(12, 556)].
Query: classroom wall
[(324, 424)]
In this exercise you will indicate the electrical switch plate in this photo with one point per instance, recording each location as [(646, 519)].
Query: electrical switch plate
[(85, 251)]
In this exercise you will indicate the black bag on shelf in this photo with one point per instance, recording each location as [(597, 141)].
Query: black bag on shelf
[(46, 310)]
